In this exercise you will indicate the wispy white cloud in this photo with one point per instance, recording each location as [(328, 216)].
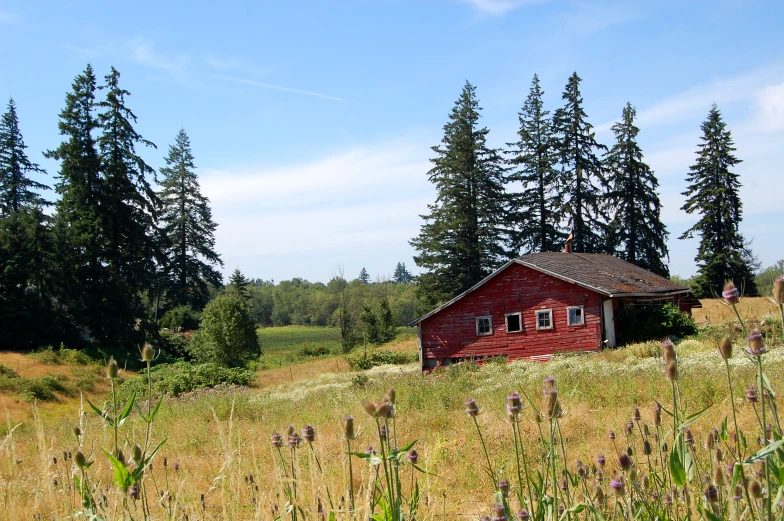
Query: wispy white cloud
[(593, 17), (500, 7), (144, 53), (762, 85), (277, 87), (369, 196)]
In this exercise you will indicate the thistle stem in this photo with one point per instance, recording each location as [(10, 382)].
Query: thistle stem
[(487, 456)]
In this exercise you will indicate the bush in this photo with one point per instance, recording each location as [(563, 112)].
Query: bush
[(51, 356), (310, 349), (180, 318), (645, 322), (8, 372), (183, 377), (381, 357), (227, 334), (173, 346)]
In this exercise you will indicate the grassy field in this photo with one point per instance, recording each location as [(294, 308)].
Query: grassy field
[(220, 463), (715, 311)]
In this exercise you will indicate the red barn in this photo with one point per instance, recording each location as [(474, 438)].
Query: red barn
[(540, 304)]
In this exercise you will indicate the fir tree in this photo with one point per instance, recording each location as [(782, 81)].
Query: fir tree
[(78, 221), (187, 229), (128, 212), (238, 285), (638, 235), (581, 178), (713, 194), (364, 278), (462, 239), (401, 275), (16, 187), (534, 208)]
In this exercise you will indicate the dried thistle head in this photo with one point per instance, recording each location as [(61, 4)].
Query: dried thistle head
[(550, 405), (688, 437), (668, 351), (413, 456), (672, 371), (617, 485), (499, 513), (600, 460), (523, 515), (503, 486), (370, 408), (348, 427), (755, 489), (472, 409), (548, 383), (112, 370), (309, 433), (778, 290), (738, 495), (148, 353), (136, 453), (611, 435), (276, 439), (751, 394), (513, 405), (711, 494), (725, 347), (79, 459), (624, 461), (391, 395), (718, 476), (646, 447), (628, 428), (718, 455), (636, 416), (384, 409), (756, 344), (77, 431), (730, 293), (657, 417)]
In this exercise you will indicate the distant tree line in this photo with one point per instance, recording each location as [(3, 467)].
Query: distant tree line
[(556, 180), (116, 251)]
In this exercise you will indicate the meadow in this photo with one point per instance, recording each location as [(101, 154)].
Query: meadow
[(220, 462)]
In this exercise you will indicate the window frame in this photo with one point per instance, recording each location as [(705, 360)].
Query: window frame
[(519, 315), (549, 311), (568, 316), (489, 318)]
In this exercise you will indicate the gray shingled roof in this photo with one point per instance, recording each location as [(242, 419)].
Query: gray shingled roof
[(603, 273)]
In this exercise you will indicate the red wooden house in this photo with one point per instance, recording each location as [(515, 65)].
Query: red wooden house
[(540, 304)]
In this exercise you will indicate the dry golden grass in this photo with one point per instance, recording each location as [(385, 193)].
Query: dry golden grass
[(715, 311), (217, 439)]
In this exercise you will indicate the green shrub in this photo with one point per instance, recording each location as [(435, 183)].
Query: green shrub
[(310, 349), (63, 355), (359, 362), (180, 318), (173, 346), (41, 388), (183, 377), (227, 334), (8, 372), (639, 323)]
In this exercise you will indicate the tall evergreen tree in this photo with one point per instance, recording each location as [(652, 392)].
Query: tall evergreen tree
[(462, 239), (713, 194), (78, 221), (534, 209), (580, 179), (238, 285), (364, 278), (401, 275), (638, 235), (187, 228), (129, 212), (16, 186)]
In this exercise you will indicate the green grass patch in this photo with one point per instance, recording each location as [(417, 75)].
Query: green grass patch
[(61, 356), (183, 377), (287, 345)]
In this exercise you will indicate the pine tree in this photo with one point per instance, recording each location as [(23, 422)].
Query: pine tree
[(638, 235), (364, 278), (534, 208), (581, 178), (187, 228), (401, 275), (713, 194), (16, 187), (79, 237), (128, 211), (238, 285), (462, 239)]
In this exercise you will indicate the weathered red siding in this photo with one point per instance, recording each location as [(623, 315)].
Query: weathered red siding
[(451, 333)]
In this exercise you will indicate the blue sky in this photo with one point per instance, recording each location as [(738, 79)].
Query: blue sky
[(312, 122)]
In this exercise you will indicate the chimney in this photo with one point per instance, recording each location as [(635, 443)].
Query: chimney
[(568, 244)]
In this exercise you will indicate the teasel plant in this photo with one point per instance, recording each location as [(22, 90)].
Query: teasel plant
[(387, 491)]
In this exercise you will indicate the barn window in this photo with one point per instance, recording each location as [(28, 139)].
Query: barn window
[(514, 323), (484, 326), (544, 319), (575, 316)]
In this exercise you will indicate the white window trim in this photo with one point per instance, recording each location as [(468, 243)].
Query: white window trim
[(582, 315), (536, 314), (488, 317), (506, 322)]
